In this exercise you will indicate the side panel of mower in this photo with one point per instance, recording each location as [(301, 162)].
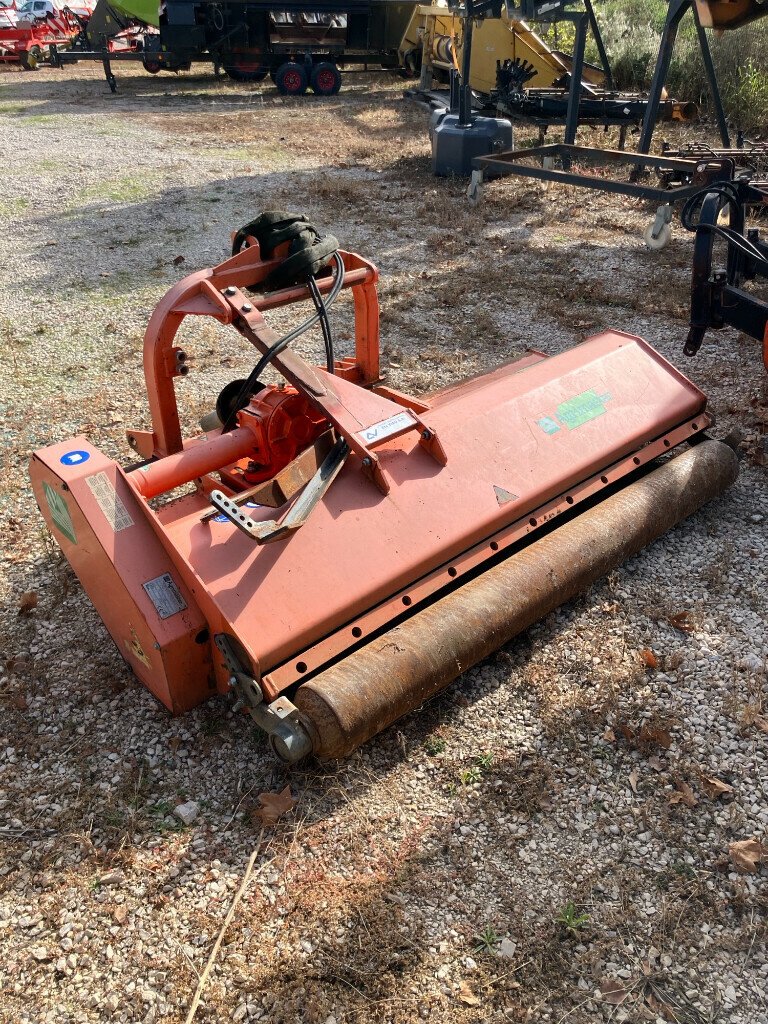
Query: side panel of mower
[(150, 613), (514, 440)]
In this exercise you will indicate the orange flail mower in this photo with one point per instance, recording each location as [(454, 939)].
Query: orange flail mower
[(334, 552)]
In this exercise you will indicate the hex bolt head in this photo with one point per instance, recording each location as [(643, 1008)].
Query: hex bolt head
[(426, 434), (247, 307), (230, 290), (367, 462)]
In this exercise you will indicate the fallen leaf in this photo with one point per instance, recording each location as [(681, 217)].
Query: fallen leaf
[(120, 914), (747, 854), (274, 806), (654, 735), (27, 602), (655, 763), (761, 722), (20, 702), (467, 996), (683, 795), (633, 777), (174, 743), (627, 732), (714, 787), (613, 992), (178, 260), (682, 621), (649, 657), (609, 736)]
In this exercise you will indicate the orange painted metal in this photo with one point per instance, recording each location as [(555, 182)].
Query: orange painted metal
[(359, 548), (201, 294), (460, 475), (104, 533), (305, 662), (207, 455)]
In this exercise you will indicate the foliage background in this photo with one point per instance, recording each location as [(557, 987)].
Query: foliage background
[(632, 33)]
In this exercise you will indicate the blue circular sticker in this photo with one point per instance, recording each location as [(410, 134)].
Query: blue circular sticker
[(74, 458)]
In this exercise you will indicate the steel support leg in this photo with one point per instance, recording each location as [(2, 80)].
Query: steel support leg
[(714, 88), (465, 94), (574, 94), (599, 44), (111, 80), (677, 9)]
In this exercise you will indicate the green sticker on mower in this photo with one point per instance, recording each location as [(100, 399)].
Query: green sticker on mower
[(576, 411), (59, 512)]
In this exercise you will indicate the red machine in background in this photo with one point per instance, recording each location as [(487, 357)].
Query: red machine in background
[(28, 30)]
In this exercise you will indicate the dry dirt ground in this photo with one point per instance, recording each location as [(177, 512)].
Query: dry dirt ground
[(557, 838)]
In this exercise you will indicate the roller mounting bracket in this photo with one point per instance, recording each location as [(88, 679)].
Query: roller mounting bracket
[(281, 720)]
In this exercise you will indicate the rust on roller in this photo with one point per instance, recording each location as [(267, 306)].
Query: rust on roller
[(352, 701)]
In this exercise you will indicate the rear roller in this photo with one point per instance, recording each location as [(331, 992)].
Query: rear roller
[(350, 702)]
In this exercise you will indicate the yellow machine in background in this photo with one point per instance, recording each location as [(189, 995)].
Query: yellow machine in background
[(433, 41)]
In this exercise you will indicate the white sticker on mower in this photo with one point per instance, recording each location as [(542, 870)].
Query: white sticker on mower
[(380, 431), (114, 510), (165, 595)]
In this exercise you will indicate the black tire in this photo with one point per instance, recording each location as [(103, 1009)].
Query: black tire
[(152, 67), (326, 79), (291, 79), (30, 59)]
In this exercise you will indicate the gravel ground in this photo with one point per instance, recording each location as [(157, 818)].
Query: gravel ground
[(565, 833)]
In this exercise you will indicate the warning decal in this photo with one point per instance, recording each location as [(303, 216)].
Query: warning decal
[(114, 510), (59, 512), (165, 595)]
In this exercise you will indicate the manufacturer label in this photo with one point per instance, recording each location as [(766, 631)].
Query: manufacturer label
[(114, 510), (548, 425), (575, 412), (380, 431), (74, 458), (59, 512), (165, 595)]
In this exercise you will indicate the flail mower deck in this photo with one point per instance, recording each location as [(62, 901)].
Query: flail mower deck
[(340, 552)]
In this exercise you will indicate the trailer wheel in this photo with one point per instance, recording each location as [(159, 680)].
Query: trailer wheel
[(291, 79), (31, 58), (239, 74), (152, 66), (326, 79)]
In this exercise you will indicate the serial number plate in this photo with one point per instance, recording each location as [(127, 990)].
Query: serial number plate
[(380, 431)]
